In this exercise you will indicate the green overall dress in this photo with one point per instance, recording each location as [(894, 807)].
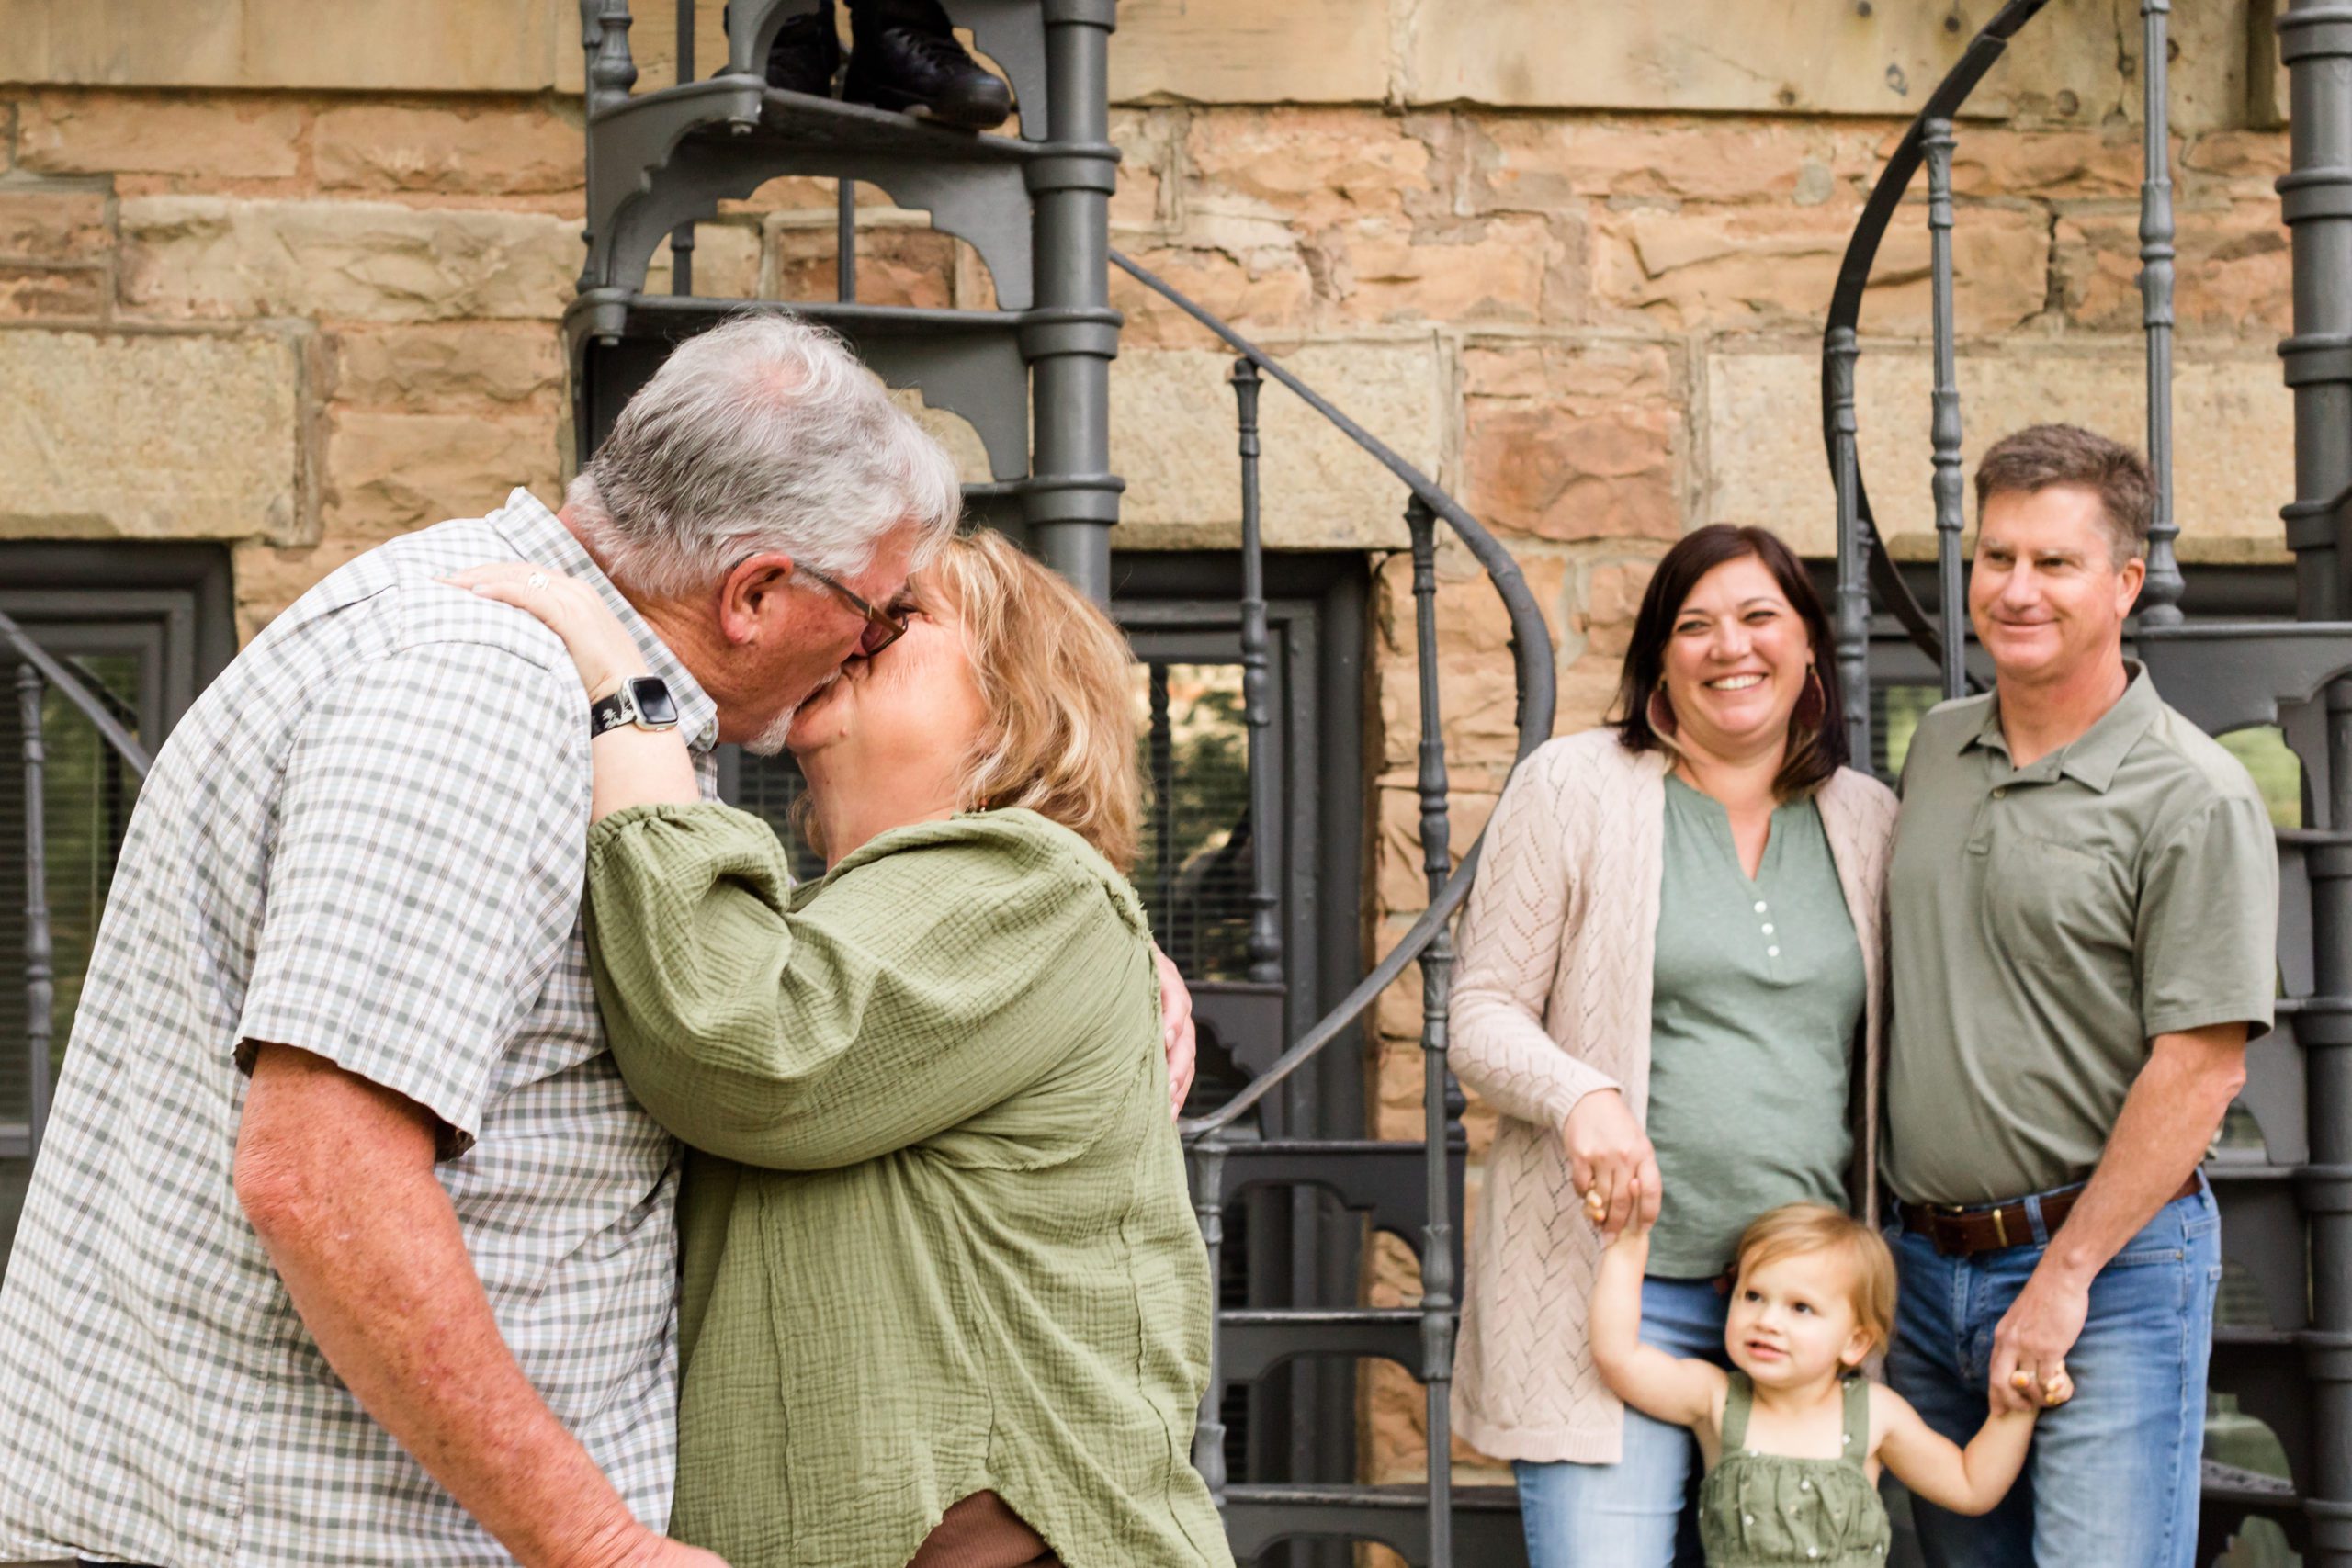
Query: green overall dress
[(1772, 1511)]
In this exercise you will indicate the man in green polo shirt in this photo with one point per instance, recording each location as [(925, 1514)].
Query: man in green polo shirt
[(2083, 910)]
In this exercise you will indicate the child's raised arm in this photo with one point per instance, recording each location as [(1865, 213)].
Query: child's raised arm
[(1968, 1480), (1662, 1387)]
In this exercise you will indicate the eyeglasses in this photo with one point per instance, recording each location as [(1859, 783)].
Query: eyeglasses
[(882, 628)]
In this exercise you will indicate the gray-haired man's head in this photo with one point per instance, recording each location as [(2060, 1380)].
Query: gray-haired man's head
[(759, 449)]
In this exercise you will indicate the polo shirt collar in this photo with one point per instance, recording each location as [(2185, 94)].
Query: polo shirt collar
[(2092, 757), (539, 535)]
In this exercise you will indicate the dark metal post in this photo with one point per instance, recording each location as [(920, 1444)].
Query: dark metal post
[(2315, 41), (1952, 608), (1265, 923), (845, 240), (611, 72), (1208, 1204), (1853, 607), (1163, 787), (682, 238), (41, 989), (2160, 599), (1437, 982), (1073, 499)]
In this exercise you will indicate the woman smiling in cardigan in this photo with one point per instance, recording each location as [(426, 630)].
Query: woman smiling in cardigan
[(1668, 962), (946, 1299)]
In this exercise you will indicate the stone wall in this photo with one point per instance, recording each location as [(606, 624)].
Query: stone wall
[(288, 276)]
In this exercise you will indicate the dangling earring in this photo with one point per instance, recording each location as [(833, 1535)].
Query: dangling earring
[(1660, 714), (1813, 703)]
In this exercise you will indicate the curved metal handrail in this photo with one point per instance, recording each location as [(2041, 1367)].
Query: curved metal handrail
[(1531, 655), (111, 730), (1854, 276)]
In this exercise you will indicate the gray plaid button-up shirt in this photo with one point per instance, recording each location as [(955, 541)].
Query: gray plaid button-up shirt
[(366, 839)]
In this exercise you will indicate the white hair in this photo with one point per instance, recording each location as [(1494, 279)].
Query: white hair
[(763, 434)]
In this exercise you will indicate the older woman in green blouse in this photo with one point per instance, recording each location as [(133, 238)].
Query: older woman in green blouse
[(945, 1302)]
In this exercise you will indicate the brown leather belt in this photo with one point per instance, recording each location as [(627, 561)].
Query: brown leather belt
[(1964, 1231)]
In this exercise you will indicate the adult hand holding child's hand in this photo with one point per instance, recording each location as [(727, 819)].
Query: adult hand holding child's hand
[(1610, 1162)]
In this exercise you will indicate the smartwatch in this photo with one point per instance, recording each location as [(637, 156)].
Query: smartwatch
[(642, 701)]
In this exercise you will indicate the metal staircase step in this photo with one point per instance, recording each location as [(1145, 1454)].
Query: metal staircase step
[(660, 158), (1385, 1180), (1252, 1343), (1486, 1520)]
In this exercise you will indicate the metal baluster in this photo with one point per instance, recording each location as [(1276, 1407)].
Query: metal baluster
[(1936, 139), (1437, 980), (2315, 41), (845, 240), (611, 72), (1853, 598), (40, 990), (1163, 786), (682, 238), (2160, 599), (1265, 924), (1208, 1203)]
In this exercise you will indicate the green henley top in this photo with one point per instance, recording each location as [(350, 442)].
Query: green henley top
[(1757, 992), (937, 1236), (2047, 921)]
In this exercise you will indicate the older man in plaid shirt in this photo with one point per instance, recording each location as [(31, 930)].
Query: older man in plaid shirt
[(347, 1246)]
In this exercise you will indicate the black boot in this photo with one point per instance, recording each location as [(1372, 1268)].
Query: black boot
[(807, 54), (904, 56)]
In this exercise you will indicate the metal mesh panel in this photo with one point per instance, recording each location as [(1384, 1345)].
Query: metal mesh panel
[(86, 806), (1194, 874)]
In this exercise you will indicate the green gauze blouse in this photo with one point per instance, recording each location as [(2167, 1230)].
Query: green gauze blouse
[(1775, 1511), (937, 1238)]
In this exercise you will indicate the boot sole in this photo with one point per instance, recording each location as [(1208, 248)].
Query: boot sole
[(921, 108)]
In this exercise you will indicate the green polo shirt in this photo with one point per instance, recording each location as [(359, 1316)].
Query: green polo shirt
[(2046, 922)]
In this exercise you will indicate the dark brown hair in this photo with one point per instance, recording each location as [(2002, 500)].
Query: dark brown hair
[(1817, 746), (2041, 455)]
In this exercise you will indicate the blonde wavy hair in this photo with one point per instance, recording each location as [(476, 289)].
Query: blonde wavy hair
[(1798, 1229), (1052, 670)]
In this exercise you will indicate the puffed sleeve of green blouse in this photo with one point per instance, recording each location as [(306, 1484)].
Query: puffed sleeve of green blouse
[(936, 972)]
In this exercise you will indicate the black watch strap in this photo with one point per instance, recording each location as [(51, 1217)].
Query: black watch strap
[(643, 701)]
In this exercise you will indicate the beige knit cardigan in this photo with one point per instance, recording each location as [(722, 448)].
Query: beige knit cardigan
[(1552, 1001)]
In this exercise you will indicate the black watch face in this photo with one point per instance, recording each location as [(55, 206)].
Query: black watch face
[(654, 703)]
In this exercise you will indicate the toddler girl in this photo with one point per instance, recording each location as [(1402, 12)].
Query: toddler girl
[(1793, 1439)]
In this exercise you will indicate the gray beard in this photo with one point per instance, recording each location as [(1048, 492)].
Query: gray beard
[(770, 741)]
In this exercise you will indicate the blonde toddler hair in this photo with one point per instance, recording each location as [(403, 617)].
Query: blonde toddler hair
[(1795, 1229)]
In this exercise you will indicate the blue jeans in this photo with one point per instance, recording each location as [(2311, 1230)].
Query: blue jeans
[(1631, 1514), (2113, 1478)]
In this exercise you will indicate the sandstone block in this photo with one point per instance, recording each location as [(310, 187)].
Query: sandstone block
[(1306, 168), (2246, 158), (1146, 139), (149, 435), (1403, 879), (1612, 599), (1538, 164), (2232, 430), (1173, 436), (1223, 51), (122, 133), (388, 473), (896, 265), (434, 368), (2232, 273), (51, 293), (205, 255), (1263, 292), (51, 225), (2054, 165), (1384, 270), (1776, 266), (727, 262), (459, 149), (1583, 446)]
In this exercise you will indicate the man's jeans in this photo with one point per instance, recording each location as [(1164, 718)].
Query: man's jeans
[(1635, 1513), (2113, 1479)]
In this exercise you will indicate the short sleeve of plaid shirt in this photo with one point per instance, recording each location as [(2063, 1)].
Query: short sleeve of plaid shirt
[(425, 873)]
